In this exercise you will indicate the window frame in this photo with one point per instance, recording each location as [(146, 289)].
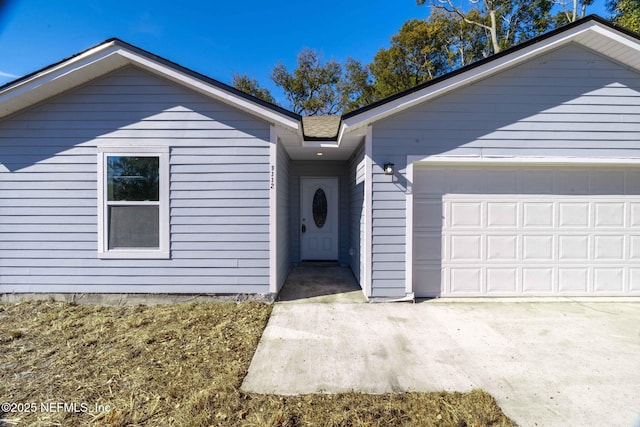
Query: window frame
[(162, 251)]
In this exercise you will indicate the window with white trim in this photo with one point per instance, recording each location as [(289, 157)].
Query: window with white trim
[(133, 202)]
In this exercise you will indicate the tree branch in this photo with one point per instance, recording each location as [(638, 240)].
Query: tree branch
[(459, 12)]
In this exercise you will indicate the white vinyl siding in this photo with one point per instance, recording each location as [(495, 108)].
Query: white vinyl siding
[(357, 177), (570, 102), (218, 183)]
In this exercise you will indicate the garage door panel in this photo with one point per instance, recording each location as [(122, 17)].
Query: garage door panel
[(634, 282), (634, 248), (502, 248), (634, 220), (537, 214), (536, 248), (573, 247), (502, 214), (608, 247), (502, 280), (465, 214), (466, 248), (537, 280), (609, 214), (573, 215), (466, 280), (572, 280), (565, 232), (608, 279)]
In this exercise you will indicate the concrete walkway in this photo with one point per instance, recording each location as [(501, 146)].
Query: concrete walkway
[(324, 282), (547, 364)]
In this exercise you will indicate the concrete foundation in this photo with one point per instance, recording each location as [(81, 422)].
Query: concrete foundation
[(132, 299)]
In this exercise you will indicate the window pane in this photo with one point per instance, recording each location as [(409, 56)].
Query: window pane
[(319, 208), (133, 178), (134, 227)]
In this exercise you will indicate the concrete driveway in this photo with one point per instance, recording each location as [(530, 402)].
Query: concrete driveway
[(546, 363)]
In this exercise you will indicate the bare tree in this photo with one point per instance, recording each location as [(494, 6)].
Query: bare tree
[(506, 22), (491, 9), (572, 10)]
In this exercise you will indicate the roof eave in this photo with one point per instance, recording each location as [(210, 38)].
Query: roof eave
[(57, 78), (114, 54), (484, 68)]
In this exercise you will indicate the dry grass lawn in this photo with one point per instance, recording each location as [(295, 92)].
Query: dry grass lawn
[(179, 365)]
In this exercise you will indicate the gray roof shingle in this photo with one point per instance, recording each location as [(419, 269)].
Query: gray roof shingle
[(320, 127)]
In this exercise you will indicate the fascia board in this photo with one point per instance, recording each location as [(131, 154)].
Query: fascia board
[(108, 57), (477, 73), (209, 90), (57, 79), (341, 132), (63, 68)]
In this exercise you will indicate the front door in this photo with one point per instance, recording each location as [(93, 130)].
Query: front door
[(319, 218)]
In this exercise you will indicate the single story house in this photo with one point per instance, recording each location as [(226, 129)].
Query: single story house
[(519, 175)]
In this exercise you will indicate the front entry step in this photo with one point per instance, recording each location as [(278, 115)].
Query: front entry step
[(314, 281)]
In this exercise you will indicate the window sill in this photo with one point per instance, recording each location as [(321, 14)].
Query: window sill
[(133, 254)]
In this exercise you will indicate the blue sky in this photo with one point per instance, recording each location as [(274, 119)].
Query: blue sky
[(215, 38)]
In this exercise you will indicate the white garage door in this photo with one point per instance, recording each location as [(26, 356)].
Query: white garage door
[(526, 231)]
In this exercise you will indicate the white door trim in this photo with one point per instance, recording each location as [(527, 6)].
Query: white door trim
[(367, 238), (273, 210)]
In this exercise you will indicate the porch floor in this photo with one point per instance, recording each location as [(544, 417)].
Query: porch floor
[(321, 282)]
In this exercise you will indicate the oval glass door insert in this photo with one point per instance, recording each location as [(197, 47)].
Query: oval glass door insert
[(319, 208)]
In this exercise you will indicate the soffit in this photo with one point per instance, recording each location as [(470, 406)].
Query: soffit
[(300, 149)]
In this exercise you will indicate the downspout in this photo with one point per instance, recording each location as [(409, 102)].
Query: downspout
[(408, 215)]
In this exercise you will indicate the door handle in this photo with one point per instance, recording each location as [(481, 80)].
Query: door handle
[(304, 228)]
